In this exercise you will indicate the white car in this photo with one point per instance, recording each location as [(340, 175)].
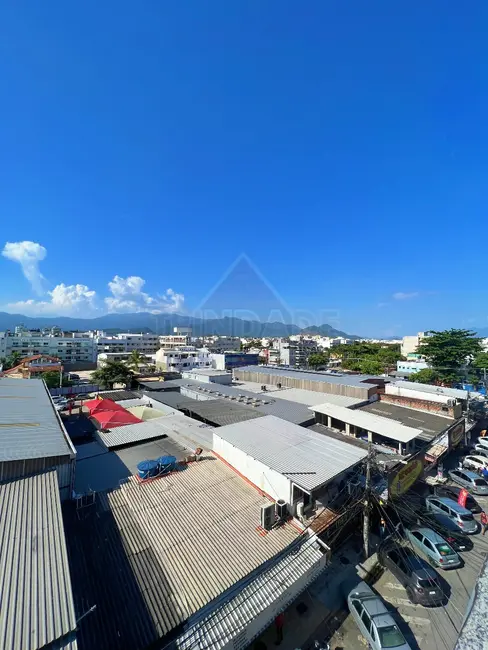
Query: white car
[(483, 441), (475, 462)]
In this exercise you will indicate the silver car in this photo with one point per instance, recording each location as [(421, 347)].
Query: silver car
[(434, 547), (462, 517), (469, 480), (374, 621)]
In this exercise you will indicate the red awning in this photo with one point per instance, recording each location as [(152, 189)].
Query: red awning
[(98, 405), (112, 419)]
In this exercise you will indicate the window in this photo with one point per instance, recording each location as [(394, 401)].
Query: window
[(444, 508), (366, 621), (466, 517), (390, 636), (480, 482), (357, 606), (417, 535), (444, 549), (428, 544)]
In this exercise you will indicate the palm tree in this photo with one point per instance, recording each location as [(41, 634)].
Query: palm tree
[(135, 360), (112, 372)]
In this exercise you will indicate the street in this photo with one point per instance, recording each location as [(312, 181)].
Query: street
[(425, 628)]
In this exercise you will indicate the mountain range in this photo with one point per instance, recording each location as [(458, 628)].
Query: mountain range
[(164, 323)]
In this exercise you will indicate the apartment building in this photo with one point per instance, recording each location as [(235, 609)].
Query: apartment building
[(291, 353), (221, 344), (411, 343), (181, 338), (126, 343), (183, 358), (70, 347)]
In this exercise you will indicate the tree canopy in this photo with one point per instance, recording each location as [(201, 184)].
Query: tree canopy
[(425, 376), (111, 373), (135, 360), (318, 359), (369, 358), (449, 351)]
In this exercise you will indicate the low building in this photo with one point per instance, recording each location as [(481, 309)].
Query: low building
[(231, 360), (410, 366), (170, 559), (32, 434), (288, 462), (181, 338), (362, 387), (209, 376), (219, 344), (37, 599), (422, 400)]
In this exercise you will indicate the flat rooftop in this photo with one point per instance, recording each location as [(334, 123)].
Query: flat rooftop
[(363, 381), (430, 424), (455, 393), (152, 555), (35, 586), (30, 427), (307, 458)]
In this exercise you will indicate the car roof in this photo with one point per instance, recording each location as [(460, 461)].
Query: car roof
[(374, 606), (468, 473), (454, 505), (384, 620), (481, 459), (429, 533)]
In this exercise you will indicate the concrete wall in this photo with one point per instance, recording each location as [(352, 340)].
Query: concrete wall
[(324, 386), (424, 405), (266, 479)]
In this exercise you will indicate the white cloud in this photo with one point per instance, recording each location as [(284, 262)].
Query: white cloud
[(28, 254), (65, 300), (127, 296), (405, 296)]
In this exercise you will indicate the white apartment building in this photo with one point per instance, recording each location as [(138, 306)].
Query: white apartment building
[(70, 347), (411, 343), (183, 358), (126, 342), (291, 353), (181, 338), (329, 342), (220, 344)]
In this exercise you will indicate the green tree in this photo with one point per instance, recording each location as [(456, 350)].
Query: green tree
[(370, 366), (135, 360), (111, 373), (449, 351), (51, 377), (318, 359), (480, 361), (13, 359), (425, 376)]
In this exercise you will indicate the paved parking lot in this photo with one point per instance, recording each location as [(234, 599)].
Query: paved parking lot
[(426, 628)]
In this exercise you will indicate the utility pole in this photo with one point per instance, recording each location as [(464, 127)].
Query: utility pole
[(367, 496)]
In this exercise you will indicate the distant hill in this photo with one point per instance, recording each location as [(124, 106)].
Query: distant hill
[(164, 323)]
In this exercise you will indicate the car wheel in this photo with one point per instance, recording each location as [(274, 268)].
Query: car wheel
[(432, 562), (411, 596)]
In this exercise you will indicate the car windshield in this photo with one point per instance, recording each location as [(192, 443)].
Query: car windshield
[(427, 583), (390, 636), (466, 517), (444, 549), (480, 481)]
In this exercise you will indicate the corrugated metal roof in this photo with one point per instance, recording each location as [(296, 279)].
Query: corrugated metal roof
[(346, 380), (35, 587), (369, 422), (272, 585), (310, 397), (430, 423), (185, 540), (29, 424), (173, 399), (132, 433), (304, 456), (220, 413), (136, 401), (118, 395)]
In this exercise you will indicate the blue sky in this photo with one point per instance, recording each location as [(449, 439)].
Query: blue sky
[(340, 146)]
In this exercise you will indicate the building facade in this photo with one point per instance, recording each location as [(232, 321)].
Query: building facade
[(72, 347), (183, 358), (411, 343), (231, 360), (409, 367)]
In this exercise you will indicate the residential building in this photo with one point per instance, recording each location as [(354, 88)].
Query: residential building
[(182, 358), (219, 344), (181, 338), (411, 343), (294, 353), (409, 367), (69, 347), (145, 343), (121, 356), (331, 342), (231, 360)]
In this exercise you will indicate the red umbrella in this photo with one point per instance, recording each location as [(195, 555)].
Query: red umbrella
[(111, 419), (97, 405)]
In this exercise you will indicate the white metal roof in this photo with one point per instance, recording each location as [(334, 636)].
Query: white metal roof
[(132, 433), (311, 397), (368, 422), (307, 458), (30, 427), (456, 393), (35, 587)]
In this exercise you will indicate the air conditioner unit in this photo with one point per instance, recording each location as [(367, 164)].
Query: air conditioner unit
[(267, 516)]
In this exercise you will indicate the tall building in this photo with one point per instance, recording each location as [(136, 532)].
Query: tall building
[(181, 338), (70, 347), (411, 343)]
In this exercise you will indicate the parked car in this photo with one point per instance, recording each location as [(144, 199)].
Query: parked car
[(434, 547), (462, 517), (479, 450), (452, 492), (483, 440), (469, 480), (444, 527), (374, 621), (475, 462), (421, 582)]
